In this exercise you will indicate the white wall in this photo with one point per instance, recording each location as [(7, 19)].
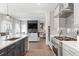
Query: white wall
[(24, 26)]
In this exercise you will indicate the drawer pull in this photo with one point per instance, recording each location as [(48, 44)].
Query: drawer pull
[(12, 47)]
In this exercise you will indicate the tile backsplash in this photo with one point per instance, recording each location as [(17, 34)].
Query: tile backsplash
[(69, 32)]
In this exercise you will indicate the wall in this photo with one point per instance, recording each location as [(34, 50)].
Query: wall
[(24, 26)]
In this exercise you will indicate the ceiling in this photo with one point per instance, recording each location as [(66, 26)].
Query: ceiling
[(30, 10)]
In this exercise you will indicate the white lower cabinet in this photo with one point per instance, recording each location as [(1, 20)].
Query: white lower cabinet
[(68, 51)]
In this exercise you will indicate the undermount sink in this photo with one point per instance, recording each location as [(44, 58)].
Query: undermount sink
[(11, 39)]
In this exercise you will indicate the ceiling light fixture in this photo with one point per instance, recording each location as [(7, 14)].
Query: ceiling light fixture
[(7, 16)]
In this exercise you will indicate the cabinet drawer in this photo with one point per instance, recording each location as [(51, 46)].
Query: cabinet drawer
[(3, 52), (70, 50)]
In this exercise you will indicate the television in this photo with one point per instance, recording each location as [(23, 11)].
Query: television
[(32, 26)]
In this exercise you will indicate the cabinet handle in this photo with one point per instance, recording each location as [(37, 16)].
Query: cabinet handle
[(12, 46), (2, 53)]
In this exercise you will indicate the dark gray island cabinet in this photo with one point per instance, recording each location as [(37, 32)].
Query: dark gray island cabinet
[(18, 48)]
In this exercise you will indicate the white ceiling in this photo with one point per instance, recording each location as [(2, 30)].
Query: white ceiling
[(30, 10)]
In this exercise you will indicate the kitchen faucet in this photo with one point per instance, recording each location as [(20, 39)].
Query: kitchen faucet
[(7, 35)]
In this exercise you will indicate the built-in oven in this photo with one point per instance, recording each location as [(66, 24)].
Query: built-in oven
[(57, 44), (56, 48)]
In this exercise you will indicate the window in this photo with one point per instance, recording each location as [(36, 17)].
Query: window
[(17, 28), (6, 26)]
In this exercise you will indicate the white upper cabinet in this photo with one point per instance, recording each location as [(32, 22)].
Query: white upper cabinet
[(3, 8), (76, 14)]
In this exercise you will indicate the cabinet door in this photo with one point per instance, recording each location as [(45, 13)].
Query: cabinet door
[(69, 51), (3, 52), (18, 50), (26, 44), (65, 53), (76, 14), (11, 52), (22, 49)]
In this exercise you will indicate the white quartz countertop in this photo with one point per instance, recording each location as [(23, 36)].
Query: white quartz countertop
[(72, 44), (4, 43)]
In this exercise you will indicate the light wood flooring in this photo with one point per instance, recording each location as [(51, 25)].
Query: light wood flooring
[(39, 49)]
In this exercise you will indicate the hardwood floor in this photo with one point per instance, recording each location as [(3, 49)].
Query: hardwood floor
[(39, 49)]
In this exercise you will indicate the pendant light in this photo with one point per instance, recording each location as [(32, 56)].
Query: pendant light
[(7, 12)]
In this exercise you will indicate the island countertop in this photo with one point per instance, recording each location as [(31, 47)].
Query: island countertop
[(5, 43)]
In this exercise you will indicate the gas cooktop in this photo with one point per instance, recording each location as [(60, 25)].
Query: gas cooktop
[(64, 38)]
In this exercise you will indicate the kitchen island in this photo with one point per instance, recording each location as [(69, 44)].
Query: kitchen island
[(16, 47), (56, 43)]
